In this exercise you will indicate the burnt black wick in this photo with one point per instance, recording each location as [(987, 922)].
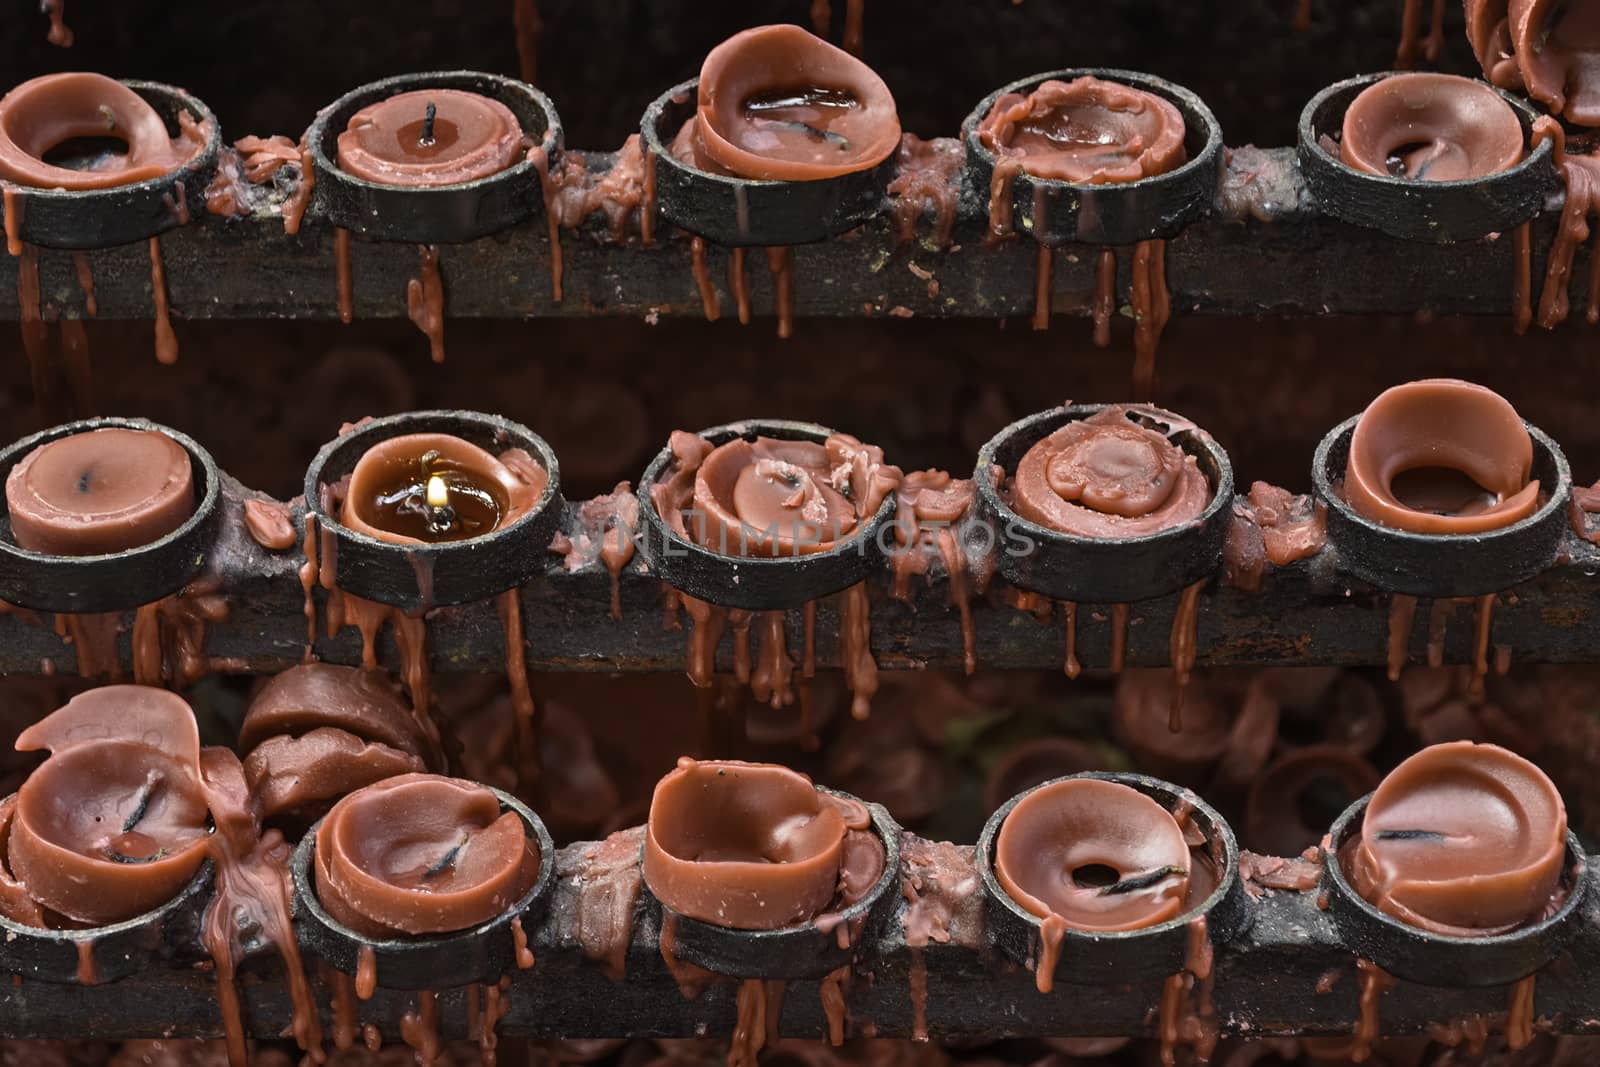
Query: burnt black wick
[(140, 808), (446, 861), (1140, 881), (1410, 835), (427, 125)]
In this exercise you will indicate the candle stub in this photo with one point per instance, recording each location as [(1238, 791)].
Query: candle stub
[(1548, 48), (778, 103), (1114, 474), (115, 821), (1462, 839), (1441, 456), (422, 854), (772, 497), (101, 491), (432, 487), (87, 131), (430, 137), (1088, 131), (1430, 127), (755, 846)]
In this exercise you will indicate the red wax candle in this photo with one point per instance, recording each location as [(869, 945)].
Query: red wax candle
[(114, 822), (86, 131), (1430, 127), (1441, 456), (430, 137), (422, 854), (101, 491), (778, 103), (427, 488), (1110, 475), (1087, 131)]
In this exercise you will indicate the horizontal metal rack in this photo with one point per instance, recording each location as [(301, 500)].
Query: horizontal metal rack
[(1308, 613), (1231, 263), (1286, 974)]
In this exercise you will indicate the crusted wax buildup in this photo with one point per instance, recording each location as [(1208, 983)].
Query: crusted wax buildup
[(1441, 456), (115, 822), (755, 846), (778, 103), (1113, 474), (430, 137), (99, 491), (1087, 131), (422, 854), (771, 497), (1550, 48), (1461, 839), (427, 488), (1430, 127), (87, 131)]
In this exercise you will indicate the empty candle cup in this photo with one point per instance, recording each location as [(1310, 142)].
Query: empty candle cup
[(105, 515)]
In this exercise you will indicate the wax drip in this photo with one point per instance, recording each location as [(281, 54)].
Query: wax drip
[(525, 18), (1001, 183), (737, 284), (709, 300), (87, 974), (758, 1003), (1581, 175), (425, 300), (345, 1027), (496, 1006), (927, 176), (821, 17), (833, 992), (1152, 307), (647, 200), (1374, 982), (85, 272), (509, 606), (780, 262), (410, 637), (708, 620), (1519, 1014), (739, 620), (1402, 609), (853, 10), (519, 944), (547, 189), (366, 972), (169, 635), (855, 648), (12, 203), (75, 356), (1302, 16), (808, 670), (1438, 622), (1483, 625), (1119, 636), (343, 283), (308, 582), (294, 208), (1041, 287), (1522, 277), (60, 34), (36, 332), (1104, 303), (771, 680), (1183, 647), (419, 1028), (94, 638), (166, 340), (1405, 56), (1069, 662)]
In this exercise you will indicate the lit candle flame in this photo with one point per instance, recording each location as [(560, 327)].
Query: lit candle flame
[(438, 492)]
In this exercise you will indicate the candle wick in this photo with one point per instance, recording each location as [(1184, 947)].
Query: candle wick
[(427, 125), (1140, 881), (1410, 835), (108, 116), (139, 809), (446, 861)]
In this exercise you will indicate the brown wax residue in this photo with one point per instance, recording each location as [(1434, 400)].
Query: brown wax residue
[(709, 300), (1271, 526), (344, 284), (1185, 1014), (540, 160), (248, 174), (1152, 308), (1581, 176), (1549, 49), (294, 208), (169, 636), (508, 606), (1374, 983), (166, 340), (1113, 474), (424, 300), (927, 181), (1264, 874), (1405, 55), (931, 506), (943, 905), (780, 263), (529, 26), (1088, 132), (269, 524), (603, 879), (605, 535), (738, 285), (617, 192)]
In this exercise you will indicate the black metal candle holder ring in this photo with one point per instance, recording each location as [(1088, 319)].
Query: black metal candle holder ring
[(417, 577), (1094, 570), (1419, 955), (441, 214), (102, 954), (1128, 956), (1120, 213), (743, 212), (1436, 212), (758, 583), (480, 954), (116, 581), (810, 950), (82, 219), (1443, 565)]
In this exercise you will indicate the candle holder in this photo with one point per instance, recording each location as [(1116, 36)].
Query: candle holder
[(442, 961), (1120, 213), (115, 581), (81, 219), (1148, 953), (745, 212), (1441, 212), (1098, 570), (416, 577), (1443, 565), (100, 954), (807, 950), (1419, 955), (440, 214), (758, 583)]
